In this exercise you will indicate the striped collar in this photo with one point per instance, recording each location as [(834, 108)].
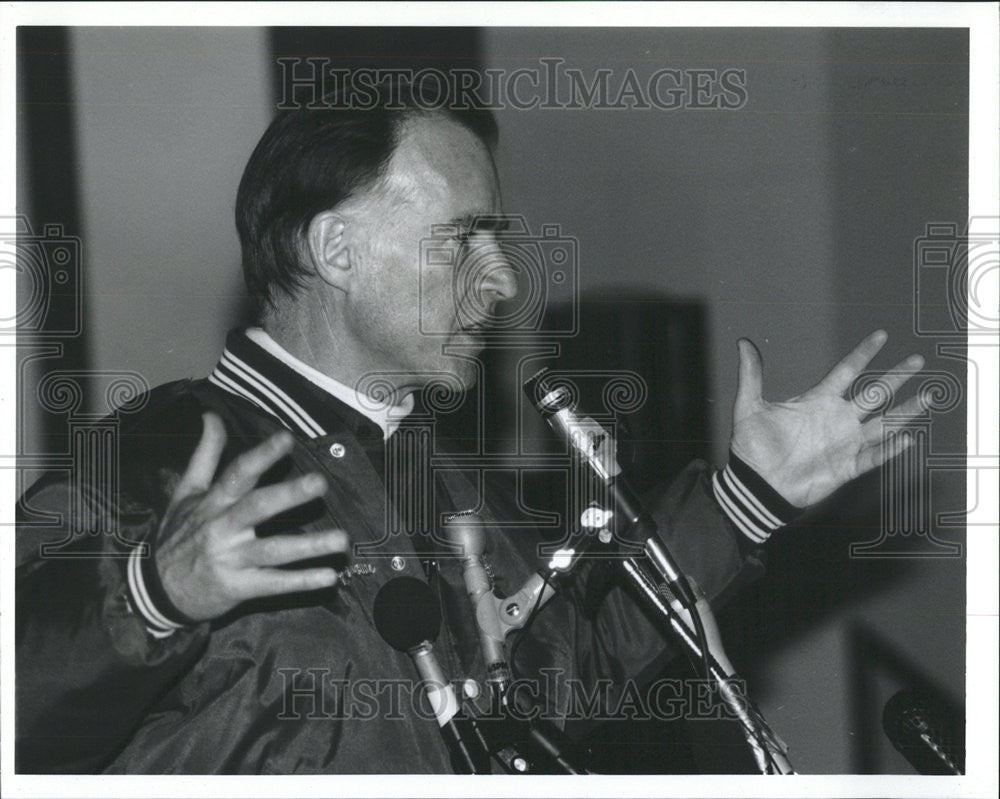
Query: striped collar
[(253, 366)]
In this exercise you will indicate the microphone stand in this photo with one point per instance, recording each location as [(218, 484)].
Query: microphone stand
[(621, 518), (769, 751), (520, 744), (497, 616)]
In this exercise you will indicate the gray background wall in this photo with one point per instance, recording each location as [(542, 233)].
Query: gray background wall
[(792, 219), (167, 119)]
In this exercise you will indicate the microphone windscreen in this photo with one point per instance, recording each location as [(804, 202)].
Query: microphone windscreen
[(926, 731), (407, 613)]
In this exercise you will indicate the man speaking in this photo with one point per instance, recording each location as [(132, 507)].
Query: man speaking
[(228, 625)]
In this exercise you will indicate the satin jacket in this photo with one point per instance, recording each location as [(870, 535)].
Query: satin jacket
[(301, 683)]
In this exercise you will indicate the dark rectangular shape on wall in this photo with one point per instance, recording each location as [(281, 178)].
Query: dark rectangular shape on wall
[(50, 212)]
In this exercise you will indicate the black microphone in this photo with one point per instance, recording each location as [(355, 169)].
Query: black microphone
[(596, 447), (408, 617), (926, 732)]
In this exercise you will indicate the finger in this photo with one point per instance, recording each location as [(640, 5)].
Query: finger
[(894, 379), (242, 474), (878, 454), (270, 582), (281, 549), (749, 379), (205, 460), (264, 503), (871, 431), (842, 375)]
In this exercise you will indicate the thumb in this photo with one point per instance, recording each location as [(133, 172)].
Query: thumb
[(205, 460), (749, 379)]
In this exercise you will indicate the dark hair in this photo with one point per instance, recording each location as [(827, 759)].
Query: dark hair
[(312, 159)]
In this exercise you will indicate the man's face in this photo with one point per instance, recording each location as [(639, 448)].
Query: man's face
[(402, 313)]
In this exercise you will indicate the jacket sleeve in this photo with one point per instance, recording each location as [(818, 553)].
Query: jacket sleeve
[(89, 665), (712, 545)]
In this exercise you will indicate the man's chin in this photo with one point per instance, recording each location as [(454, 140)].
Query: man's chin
[(462, 372), (448, 388), (465, 372)]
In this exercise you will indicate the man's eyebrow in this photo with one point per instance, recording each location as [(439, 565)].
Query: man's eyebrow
[(496, 223)]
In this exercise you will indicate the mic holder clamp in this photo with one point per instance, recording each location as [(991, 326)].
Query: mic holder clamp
[(520, 744), (633, 524), (497, 617)]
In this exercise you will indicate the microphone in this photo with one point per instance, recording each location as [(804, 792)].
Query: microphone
[(465, 534), (495, 618), (926, 732), (596, 447), (408, 616)]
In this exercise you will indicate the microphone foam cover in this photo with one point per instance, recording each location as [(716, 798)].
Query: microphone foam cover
[(407, 613), (926, 731)]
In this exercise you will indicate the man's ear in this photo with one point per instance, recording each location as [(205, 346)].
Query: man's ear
[(327, 249)]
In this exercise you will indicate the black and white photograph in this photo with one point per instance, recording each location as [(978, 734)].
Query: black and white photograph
[(603, 391)]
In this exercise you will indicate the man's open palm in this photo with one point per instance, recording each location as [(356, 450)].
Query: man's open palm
[(809, 446), (208, 554)]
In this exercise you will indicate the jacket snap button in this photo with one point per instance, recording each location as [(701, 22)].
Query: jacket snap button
[(337, 450), (398, 564)]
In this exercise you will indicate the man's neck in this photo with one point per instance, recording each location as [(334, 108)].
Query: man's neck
[(297, 353), (312, 340)]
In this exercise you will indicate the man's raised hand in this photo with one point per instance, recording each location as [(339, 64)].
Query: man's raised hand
[(208, 556), (809, 446)]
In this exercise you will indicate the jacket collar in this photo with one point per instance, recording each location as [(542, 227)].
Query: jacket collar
[(247, 370)]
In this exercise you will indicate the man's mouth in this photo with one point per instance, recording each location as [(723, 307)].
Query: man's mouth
[(474, 327), (473, 331)]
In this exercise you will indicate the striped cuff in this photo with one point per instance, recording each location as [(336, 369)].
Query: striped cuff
[(148, 598), (749, 502)]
